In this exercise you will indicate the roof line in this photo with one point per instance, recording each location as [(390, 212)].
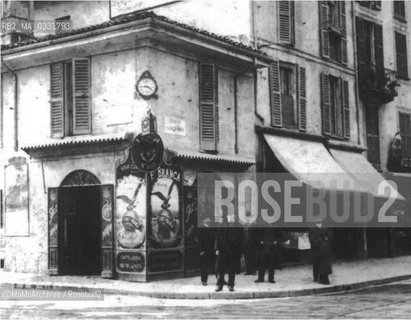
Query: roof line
[(132, 17)]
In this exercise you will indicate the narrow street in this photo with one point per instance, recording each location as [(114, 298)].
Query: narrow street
[(388, 301)]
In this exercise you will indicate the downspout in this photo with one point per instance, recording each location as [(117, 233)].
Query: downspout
[(354, 35), (16, 114), (357, 111), (236, 103)]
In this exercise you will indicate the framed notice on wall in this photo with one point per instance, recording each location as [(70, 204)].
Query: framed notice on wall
[(16, 199)]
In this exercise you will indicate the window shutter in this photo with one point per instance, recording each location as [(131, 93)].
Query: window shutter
[(401, 54), (344, 57), (57, 100), (81, 96), (343, 25), (361, 52), (379, 55), (346, 109), (276, 112), (302, 100), (286, 21), (325, 103), (325, 39), (208, 115), (405, 131)]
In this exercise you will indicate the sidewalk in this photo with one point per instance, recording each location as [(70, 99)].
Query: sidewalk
[(292, 281)]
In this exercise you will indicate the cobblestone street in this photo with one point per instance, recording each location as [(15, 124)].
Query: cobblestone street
[(388, 301)]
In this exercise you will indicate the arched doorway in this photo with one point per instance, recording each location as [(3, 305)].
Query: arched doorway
[(80, 224)]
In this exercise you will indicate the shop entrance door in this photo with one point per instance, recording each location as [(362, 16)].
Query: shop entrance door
[(80, 236)]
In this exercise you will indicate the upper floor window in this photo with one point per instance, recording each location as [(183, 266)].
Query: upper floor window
[(335, 106), (375, 5), (288, 96), (370, 53), (333, 30), (286, 21), (401, 54), (405, 132), (70, 98), (208, 88), (399, 10)]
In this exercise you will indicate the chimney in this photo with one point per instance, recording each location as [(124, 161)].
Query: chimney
[(17, 17)]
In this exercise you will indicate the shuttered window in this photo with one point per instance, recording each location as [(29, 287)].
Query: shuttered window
[(401, 53), (333, 30), (373, 135), (208, 107), (405, 131), (370, 54), (288, 96), (286, 21), (70, 98), (335, 106), (399, 9)]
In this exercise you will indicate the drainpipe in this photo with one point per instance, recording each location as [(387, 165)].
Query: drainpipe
[(357, 111), (16, 115), (363, 254), (236, 103)]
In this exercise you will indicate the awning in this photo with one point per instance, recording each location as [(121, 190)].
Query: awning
[(311, 162), (214, 157), (355, 164)]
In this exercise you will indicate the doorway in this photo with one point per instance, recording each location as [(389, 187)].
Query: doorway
[(80, 235)]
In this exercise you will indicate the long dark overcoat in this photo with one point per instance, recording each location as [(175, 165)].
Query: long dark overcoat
[(270, 242), (228, 242), (320, 240)]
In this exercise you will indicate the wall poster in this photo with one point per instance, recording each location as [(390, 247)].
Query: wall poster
[(16, 199), (130, 224), (165, 221)]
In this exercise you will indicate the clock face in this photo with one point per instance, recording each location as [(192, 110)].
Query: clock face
[(146, 87)]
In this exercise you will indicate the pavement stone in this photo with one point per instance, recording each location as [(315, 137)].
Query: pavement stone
[(290, 282)]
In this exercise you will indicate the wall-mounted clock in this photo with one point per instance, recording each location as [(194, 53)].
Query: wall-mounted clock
[(146, 86)]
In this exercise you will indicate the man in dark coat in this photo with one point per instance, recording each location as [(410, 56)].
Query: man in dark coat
[(228, 254), (206, 246), (269, 252), (320, 240), (250, 250)]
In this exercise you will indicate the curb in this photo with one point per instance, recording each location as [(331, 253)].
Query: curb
[(213, 295)]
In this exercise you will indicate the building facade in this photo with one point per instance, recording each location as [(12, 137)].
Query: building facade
[(87, 118), (105, 127)]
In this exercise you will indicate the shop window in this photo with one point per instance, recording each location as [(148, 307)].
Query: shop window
[(401, 54), (286, 21), (405, 132), (335, 106), (70, 98), (209, 127), (333, 30), (288, 96), (399, 10)]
